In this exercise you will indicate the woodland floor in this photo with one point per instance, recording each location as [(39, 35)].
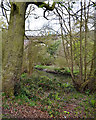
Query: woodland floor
[(72, 110), (50, 99)]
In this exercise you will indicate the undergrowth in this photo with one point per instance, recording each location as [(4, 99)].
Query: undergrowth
[(64, 70), (54, 97)]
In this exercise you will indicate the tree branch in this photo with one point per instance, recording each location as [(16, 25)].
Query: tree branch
[(43, 4)]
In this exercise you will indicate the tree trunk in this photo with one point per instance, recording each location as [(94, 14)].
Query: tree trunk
[(30, 56), (0, 64), (71, 48), (81, 66), (94, 62), (85, 55), (13, 49), (92, 82)]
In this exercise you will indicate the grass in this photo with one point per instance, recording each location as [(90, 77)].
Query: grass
[(64, 70), (54, 96), (44, 67)]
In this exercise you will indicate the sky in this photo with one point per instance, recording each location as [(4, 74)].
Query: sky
[(32, 23), (36, 24)]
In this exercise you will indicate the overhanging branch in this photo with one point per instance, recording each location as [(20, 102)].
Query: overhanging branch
[(43, 4)]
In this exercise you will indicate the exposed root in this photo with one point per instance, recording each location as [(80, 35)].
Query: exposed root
[(83, 85)]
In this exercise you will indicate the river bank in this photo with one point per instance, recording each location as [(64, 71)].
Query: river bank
[(56, 70)]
